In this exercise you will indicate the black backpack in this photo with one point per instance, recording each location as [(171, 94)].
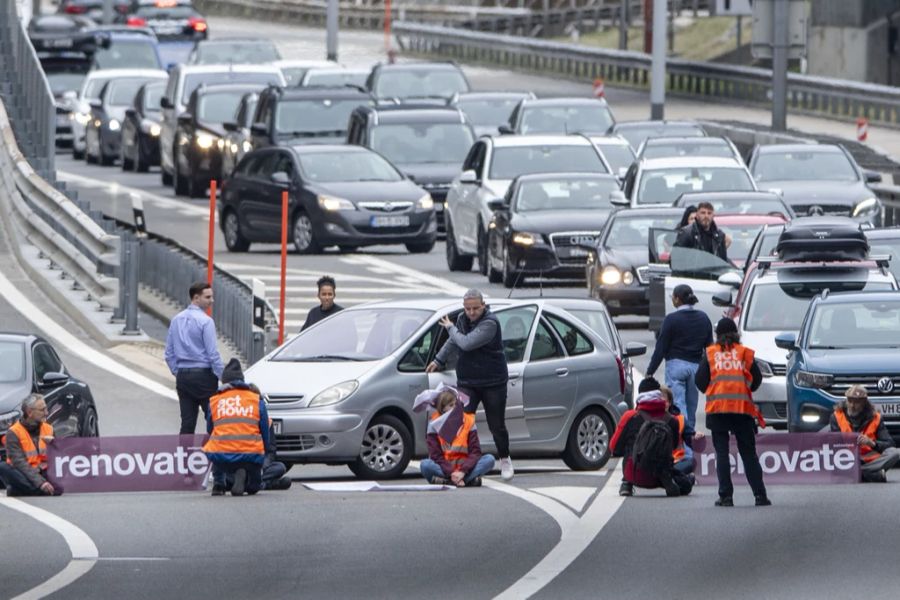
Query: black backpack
[(653, 446)]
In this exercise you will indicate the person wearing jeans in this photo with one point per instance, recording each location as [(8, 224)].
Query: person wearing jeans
[(683, 339), (432, 472), (481, 371)]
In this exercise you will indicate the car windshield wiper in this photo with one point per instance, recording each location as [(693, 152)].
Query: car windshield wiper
[(828, 348), (327, 357), (312, 133)]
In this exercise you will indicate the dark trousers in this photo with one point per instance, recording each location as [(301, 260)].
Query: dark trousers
[(18, 485), (494, 399), (744, 429), (271, 472), (223, 475), (195, 387)]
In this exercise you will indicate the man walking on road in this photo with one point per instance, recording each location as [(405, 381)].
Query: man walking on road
[(703, 234), (25, 471), (327, 287), (877, 453), (193, 357), (481, 371)]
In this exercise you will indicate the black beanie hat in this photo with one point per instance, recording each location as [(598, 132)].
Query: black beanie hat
[(232, 371), (726, 325), (648, 384)]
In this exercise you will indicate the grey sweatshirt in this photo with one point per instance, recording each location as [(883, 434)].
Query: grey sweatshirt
[(16, 454), (478, 337)]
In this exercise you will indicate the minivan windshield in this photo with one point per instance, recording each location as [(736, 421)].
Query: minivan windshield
[(354, 335), (420, 143)]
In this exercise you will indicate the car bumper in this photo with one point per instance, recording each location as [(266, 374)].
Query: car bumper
[(149, 147), (355, 229), (544, 261), (110, 142), (204, 165), (308, 436), (625, 300), (771, 398)]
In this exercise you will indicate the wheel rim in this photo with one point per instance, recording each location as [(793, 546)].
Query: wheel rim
[(450, 246), (231, 230), (593, 437), (382, 448), (90, 424), (302, 232)]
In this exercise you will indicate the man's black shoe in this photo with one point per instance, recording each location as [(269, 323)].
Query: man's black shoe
[(280, 484), (763, 501), (626, 489), (672, 490), (725, 501), (475, 482), (240, 480), (218, 490)]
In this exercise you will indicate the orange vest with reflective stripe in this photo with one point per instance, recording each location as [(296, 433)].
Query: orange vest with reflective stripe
[(457, 451), (37, 457), (235, 420), (866, 453), (678, 454), (729, 381)]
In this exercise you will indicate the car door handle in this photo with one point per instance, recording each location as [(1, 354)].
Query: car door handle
[(514, 375), (562, 372)]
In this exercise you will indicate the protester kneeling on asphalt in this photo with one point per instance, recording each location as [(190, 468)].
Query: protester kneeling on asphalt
[(683, 457), (877, 453), (454, 453), (647, 437), (238, 424), (25, 471)]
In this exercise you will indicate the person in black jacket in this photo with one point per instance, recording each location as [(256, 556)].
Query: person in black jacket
[(481, 371), (327, 288), (703, 234)]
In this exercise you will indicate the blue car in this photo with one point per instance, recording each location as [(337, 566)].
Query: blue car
[(845, 339)]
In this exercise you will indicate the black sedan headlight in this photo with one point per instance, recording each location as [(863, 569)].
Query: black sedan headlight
[(525, 239), (613, 275)]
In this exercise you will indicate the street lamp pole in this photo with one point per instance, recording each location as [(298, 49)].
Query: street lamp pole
[(781, 38), (658, 67), (331, 38)]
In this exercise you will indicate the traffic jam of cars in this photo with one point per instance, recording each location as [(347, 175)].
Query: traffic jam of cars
[(518, 188)]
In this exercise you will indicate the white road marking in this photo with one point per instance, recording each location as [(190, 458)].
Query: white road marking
[(57, 333), (575, 497), (444, 285), (81, 546)]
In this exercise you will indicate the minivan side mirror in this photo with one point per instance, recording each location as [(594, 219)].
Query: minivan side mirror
[(185, 118), (722, 299), (230, 126), (496, 204), (259, 129), (166, 103), (635, 349), (872, 176), (786, 341), (96, 104), (730, 279), (468, 176), (54, 379)]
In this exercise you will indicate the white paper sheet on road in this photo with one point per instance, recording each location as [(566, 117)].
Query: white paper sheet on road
[(374, 486)]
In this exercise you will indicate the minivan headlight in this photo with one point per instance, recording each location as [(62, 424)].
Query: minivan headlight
[(332, 203), (867, 206), (813, 380), (765, 368), (334, 394)]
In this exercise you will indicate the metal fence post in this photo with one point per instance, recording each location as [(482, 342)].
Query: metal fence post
[(131, 267)]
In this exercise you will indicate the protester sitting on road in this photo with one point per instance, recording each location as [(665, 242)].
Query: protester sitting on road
[(327, 290), (454, 453), (683, 464), (646, 438), (238, 424), (25, 471), (877, 452)]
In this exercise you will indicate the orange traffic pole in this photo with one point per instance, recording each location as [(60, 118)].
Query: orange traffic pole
[(284, 236), (212, 235), (387, 27)]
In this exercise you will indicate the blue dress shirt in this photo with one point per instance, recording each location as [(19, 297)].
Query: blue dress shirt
[(191, 342)]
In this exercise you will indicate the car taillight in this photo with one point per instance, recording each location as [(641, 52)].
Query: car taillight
[(621, 366), (198, 25), (136, 22), (74, 9)]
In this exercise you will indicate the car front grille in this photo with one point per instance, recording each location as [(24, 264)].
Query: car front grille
[(803, 210), (386, 207), (779, 370), (284, 399), (780, 409), (870, 382), (365, 229), (567, 246), (293, 443)]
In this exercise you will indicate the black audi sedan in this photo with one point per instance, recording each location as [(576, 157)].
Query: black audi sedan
[(616, 269), (540, 226), (200, 135), (141, 128), (29, 364), (345, 196)]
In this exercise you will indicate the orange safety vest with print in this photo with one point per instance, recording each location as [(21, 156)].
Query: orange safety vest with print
[(866, 453), (678, 454), (235, 420), (36, 457), (729, 381), (457, 451)]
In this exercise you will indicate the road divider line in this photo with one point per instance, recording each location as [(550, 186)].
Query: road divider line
[(81, 546), (57, 333), (442, 285)]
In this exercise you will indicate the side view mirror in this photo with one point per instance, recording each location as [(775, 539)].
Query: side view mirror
[(623, 171), (259, 129), (164, 102), (786, 341), (468, 176), (96, 104), (872, 176), (617, 198), (505, 130), (722, 299), (497, 204), (70, 95), (281, 178), (185, 118), (635, 349), (130, 112), (730, 279), (54, 379), (230, 126)]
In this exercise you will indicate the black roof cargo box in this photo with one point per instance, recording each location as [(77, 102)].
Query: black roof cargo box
[(822, 239)]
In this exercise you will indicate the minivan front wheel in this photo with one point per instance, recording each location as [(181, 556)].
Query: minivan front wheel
[(587, 448), (386, 449)]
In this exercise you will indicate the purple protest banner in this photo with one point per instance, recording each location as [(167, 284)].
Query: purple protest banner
[(154, 463), (788, 458)]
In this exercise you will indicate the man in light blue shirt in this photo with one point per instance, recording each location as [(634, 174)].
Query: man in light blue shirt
[(193, 357)]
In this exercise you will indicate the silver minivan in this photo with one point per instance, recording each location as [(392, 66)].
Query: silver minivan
[(341, 392)]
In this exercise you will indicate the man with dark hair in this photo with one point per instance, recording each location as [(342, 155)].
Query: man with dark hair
[(193, 356), (327, 307), (703, 234)]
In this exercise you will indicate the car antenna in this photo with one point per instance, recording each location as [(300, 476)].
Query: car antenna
[(515, 283), (541, 282)]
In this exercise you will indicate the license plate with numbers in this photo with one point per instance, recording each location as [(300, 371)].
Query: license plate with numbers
[(391, 221)]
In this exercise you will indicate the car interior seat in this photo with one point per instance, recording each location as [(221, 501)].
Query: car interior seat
[(655, 190)]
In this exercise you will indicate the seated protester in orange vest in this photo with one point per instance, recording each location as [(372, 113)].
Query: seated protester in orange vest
[(647, 437), (238, 424), (683, 464), (877, 453), (728, 375), (454, 453), (24, 473)]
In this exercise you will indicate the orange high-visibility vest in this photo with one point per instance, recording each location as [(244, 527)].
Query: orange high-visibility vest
[(37, 457), (235, 419), (729, 381), (866, 453), (457, 451), (678, 454)]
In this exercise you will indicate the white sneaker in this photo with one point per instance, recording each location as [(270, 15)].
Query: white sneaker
[(506, 469)]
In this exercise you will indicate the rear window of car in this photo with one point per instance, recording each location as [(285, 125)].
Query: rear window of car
[(130, 54), (12, 362), (509, 163)]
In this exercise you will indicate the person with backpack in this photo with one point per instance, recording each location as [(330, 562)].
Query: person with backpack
[(646, 438), (728, 375)]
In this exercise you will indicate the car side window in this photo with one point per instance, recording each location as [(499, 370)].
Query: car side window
[(284, 164), (574, 341), (418, 357), (475, 158), (515, 327), (545, 345), (264, 166), (247, 165), (44, 361)]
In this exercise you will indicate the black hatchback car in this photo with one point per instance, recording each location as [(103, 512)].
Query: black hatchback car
[(141, 128), (29, 364), (342, 196), (200, 135)]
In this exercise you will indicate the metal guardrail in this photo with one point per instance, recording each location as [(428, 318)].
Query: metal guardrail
[(735, 84)]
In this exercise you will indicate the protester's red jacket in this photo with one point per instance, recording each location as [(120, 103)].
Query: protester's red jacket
[(626, 434)]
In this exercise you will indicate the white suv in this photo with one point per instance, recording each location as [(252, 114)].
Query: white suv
[(491, 165)]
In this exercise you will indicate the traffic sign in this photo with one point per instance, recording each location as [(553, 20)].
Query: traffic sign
[(763, 42)]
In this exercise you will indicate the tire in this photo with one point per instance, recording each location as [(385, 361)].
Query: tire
[(386, 449), (587, 447), (420, 247), (106, 160), (182, 185), (141, 165), (167, 178), (455, 262), (493, 275), (482, 251), (508, 275), (77, 154), (196, 188), (303, 235), (234, 237), (89, 426)]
